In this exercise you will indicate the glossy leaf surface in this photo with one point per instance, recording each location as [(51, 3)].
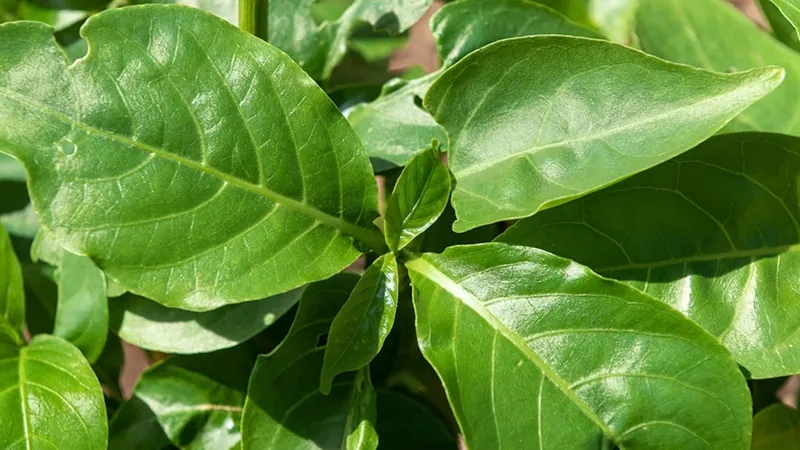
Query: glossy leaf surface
[(249, 170), (361, 326), (152, 326), (714, 233), (713, 35), (776, 428), (535, 122), (198, 400), (535, 348), (395, 127), (82, 313), (12, 294), (50, 397), (284, 408), (418, 199)]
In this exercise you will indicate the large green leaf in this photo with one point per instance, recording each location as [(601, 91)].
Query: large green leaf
[(776, 428), (82, 313), (284, 407), (714, 232), (713, 35), (242, 175), (361, 326), (536, 122), (418, 199), (150, 325), (49, 397), (198, 400), (404, 423), (615, 18), (533, 348), (784, 18), (395, 127), (12, 294)]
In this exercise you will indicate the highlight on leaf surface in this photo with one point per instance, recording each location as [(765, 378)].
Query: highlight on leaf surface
[(194, 194), (535, 122)]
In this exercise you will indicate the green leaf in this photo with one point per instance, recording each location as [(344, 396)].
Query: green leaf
[(418, 199), (51, 398), (108, 366), (225, 9), (240, 177), (135, 427), (463, 27), (82, 313), (535, 348), (284, 408), (713, 35), (198, 400), (441, 235), (784, 18), (41, 298), (521, 142), (395, 127), (149, 325), (776, 428), (395, 16), (405, 423), (59, 19), (714, 232), (293, 30), (11, 169), (12, 294), (361, 326)]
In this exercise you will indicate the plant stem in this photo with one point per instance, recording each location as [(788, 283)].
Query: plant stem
[(254, 17)]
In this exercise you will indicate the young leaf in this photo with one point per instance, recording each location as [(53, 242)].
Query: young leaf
[(149, 325), (459, 28), (784, 18), (51, 397), (404, 423), (217, 196), (713, 35), (419, 197), (535, 348), (12, 294), (359, 329), (198, 400), (714, 232), (284, 408), (536, 122), (776, 428), (82, 313)]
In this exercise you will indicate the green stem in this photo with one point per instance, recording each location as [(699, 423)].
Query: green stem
[(254, 18)]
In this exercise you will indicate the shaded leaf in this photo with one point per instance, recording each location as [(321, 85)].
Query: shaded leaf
[(784, 18), (521, 142), (82, 313), (714, 233), (136, 427), (51, 397), (12, 294), (41, 298), (765, 392), (198, 400), (249, 171), (284, 408), (776, 428), (361, 326), (152, 326), (535, 348), (404, 423), (713, 35), (11, 169), (108, 366), (441, 235), (418, 199)]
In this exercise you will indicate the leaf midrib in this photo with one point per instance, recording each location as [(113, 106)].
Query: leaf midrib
[(733, 254), (368, 236), (430, 271)]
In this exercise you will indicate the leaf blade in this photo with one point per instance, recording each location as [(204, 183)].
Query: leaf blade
[(559, 126), (12, 293), (527, 305)]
